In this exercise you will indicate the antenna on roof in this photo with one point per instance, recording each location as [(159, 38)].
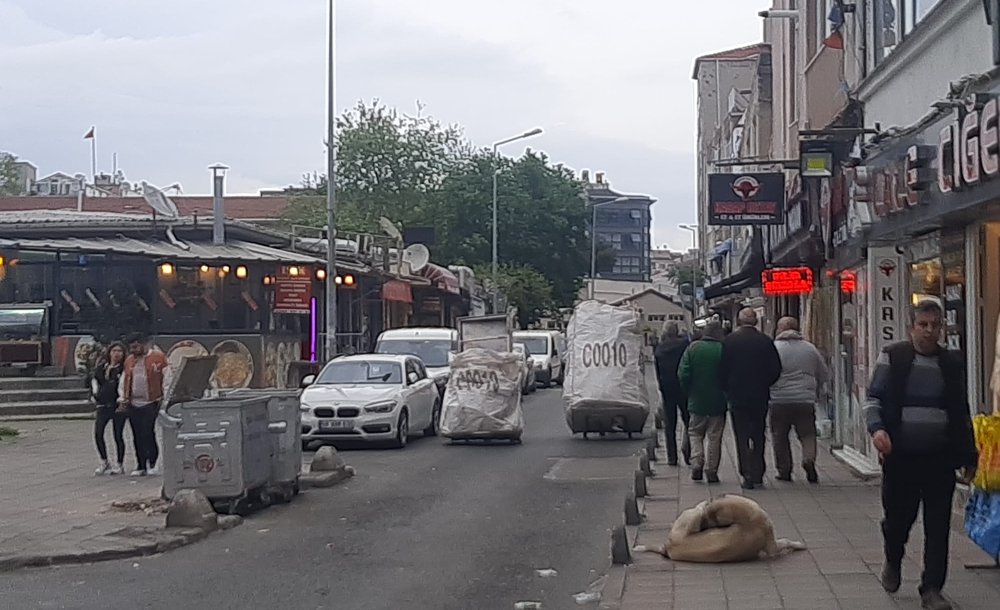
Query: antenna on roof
[(157, 200)]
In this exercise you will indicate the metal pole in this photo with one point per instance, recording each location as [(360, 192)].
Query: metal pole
[(593, 250), (331, 192), (496, 289), (218, 207)]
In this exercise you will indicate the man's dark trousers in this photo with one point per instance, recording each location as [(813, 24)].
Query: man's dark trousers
[(749, 428), (674, 403), (907, 482)]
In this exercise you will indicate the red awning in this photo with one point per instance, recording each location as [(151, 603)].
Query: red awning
[(396, 290), (441, 278)]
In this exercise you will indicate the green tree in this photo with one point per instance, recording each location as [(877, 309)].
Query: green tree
[(9, 177), (525, 288), (683, 272)]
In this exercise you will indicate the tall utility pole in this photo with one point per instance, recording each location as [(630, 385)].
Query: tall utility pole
[(331, 191), (496, 175), (694, 270)]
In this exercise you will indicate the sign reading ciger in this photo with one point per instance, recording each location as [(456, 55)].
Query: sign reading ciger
[(746, 199)]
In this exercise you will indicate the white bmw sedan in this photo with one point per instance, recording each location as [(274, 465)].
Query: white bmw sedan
[(370, 397)]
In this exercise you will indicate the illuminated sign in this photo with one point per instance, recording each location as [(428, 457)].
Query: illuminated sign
[(746, 199), (848, 282), (787, 281)]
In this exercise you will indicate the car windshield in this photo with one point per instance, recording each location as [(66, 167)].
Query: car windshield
[(359, 372), (433, 352), (535, 345)]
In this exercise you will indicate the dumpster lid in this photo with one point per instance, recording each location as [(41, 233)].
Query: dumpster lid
[(192, 379)]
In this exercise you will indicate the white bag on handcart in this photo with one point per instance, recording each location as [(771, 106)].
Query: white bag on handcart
[(604, 367), (483, 397)]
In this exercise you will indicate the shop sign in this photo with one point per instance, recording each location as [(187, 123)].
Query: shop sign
[(293, 293), (902, 183), (887, 291), (787, 281), (968, 146), (746, 199)]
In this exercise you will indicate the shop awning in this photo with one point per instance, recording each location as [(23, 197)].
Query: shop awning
[(441, 278), (397, 290), (232, 250), (747, 277)]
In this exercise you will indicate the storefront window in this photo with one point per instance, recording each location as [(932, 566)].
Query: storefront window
[(207, 299), (925, 281), (27, 277), (103, 297)]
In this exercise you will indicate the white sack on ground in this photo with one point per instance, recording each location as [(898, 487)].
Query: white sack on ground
[(483, 395), (604, 366)]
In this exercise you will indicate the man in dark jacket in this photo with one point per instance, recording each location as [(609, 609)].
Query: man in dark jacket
[(918, 415), (750, 366), (668, 355)]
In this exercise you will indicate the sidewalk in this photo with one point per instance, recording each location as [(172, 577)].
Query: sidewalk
[(837, 519), (54, 510)]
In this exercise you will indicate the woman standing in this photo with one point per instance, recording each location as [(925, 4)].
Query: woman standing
[(105, 389)]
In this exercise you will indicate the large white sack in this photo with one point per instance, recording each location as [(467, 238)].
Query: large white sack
[(483, 396), (604, 366)]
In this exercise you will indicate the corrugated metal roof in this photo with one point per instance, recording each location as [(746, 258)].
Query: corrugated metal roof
[(37, 217), (232, 250)]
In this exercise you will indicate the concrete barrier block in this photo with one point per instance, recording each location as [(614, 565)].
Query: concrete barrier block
[(327, 460), (644, 465), (632, 516), (620, 553), (191, 509), (651, 450), (640, 484)]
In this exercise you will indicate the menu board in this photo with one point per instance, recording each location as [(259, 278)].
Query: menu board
[(293, 293), (953, 264)]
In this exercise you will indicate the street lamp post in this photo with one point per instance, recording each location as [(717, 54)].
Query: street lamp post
[(593, 241), (496, 174), (694, 271), (331, 194)]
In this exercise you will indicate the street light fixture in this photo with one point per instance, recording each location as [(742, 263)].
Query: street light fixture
[(593, 240), (694, 272), (496, 173)]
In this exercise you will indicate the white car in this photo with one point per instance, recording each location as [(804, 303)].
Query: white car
[(546, 347), (370, 397), (529, 384), (433, 346)]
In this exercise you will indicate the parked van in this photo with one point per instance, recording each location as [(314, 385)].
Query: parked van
[(434, 346), (546, 348)]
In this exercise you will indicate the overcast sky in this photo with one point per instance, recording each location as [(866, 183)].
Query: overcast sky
[(174, 86)]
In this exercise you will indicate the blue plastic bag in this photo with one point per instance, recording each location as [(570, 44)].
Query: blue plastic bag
[(982, 521)]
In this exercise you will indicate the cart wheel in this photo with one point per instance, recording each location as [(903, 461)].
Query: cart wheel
[(584, 436), (239, 506), (515, 441), (629, 436), (287, 494), (603, 434), (295, 488)]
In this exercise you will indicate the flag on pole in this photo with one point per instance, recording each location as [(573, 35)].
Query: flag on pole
[(90, 134)]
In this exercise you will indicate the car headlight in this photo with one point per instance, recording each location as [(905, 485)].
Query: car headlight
[(385, 406), (304, 407)]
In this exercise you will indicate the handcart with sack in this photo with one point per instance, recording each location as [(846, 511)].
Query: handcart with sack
[(605, 387)]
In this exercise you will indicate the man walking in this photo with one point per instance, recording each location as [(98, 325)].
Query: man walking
[(143, 383), (918, 415), (750, 366), (793, 399), (668, 356), (699, 378)]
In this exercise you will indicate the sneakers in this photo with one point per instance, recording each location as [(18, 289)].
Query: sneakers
[(696, 474), (891, 578), (811, 474), (117, 469), (104, 467), (933, 600), (713, 477), (746, 483), (153, 472), (138, 473)]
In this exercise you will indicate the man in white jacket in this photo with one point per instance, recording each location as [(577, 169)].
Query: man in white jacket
[(793, 399)]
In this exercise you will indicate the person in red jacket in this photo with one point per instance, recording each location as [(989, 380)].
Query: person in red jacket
[(143, 384)]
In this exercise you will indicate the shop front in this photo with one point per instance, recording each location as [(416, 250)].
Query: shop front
[(923, 223)]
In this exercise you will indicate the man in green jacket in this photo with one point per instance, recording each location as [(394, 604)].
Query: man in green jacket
[(699, 376)]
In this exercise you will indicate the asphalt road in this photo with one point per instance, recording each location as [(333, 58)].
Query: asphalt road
[(432, 526)]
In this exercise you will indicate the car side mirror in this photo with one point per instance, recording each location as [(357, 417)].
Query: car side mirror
[(412, 377), (307, 381)]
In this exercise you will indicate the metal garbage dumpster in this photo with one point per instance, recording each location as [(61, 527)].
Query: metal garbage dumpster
[(219, 446), (285, 426)]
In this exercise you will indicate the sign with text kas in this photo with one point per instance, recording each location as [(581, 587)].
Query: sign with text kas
[(746, 199), (888, 300)]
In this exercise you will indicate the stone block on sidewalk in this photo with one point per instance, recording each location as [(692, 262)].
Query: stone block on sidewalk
[(327, 460), (325, 478), (191, 509)]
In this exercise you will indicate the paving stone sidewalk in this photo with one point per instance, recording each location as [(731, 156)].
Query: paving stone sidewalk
[(837, 519), (53, 509)]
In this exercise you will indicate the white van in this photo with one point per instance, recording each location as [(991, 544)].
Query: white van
[(546, 348), (433, 346)]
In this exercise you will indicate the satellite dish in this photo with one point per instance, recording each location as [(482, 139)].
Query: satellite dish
[(160, 203), (389, 229), (417, 256)]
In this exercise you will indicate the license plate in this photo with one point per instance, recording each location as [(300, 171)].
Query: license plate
[(335, 425)]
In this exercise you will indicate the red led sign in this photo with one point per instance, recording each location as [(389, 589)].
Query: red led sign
[(848, 282), (787, 280)]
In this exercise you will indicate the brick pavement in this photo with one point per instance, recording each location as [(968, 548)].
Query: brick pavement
[(837, 519), (50, 501)]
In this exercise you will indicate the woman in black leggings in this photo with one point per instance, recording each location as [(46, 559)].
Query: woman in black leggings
[(105, 389)]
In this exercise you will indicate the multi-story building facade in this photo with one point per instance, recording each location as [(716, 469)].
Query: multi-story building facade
[(903, 96), (623, 223)]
